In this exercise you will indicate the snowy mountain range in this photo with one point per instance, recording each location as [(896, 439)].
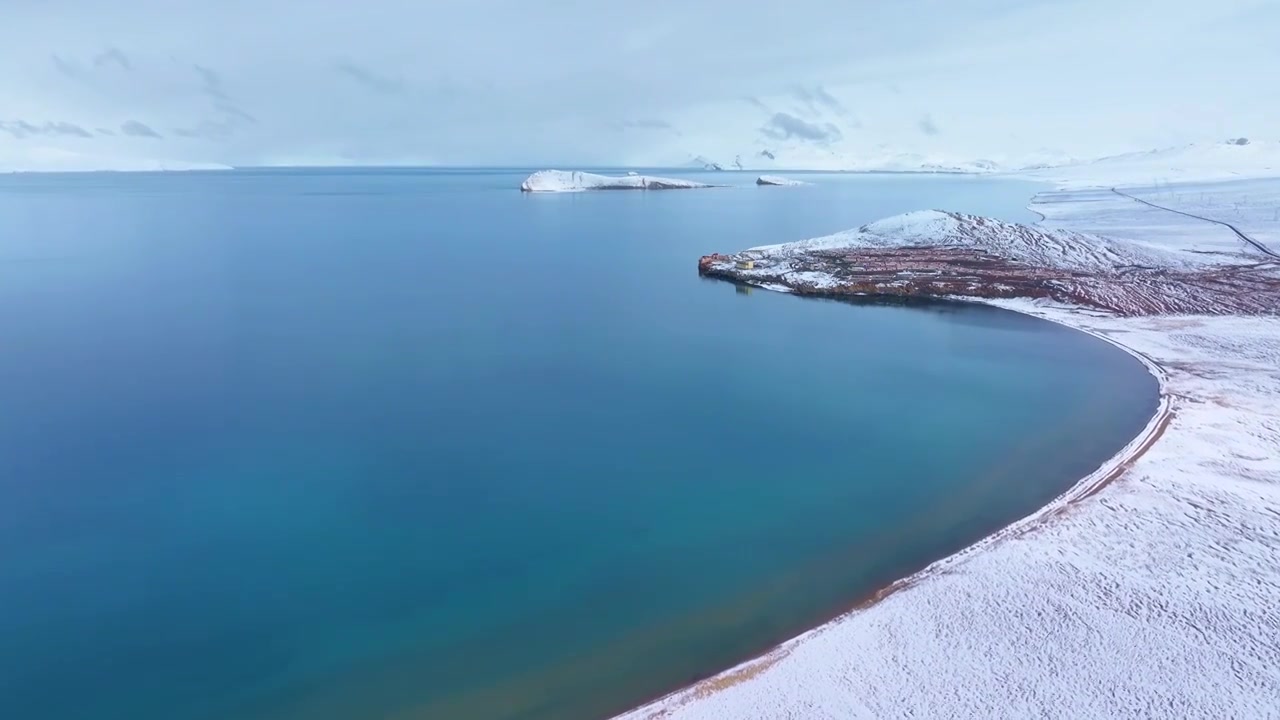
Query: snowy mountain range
[(811, 158), (1233, 158), (1228, 159)]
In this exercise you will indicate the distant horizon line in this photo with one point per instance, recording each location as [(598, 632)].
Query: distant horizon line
[(520, 168)]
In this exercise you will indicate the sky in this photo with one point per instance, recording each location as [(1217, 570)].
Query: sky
[(814, 83)]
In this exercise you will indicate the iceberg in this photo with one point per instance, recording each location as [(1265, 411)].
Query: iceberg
[(575, 181), (777, 181)]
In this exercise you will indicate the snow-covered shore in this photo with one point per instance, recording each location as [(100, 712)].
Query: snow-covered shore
[(1150, 596)]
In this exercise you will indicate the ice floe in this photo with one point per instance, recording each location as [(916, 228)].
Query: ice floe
[(576, 181), (778, 180)]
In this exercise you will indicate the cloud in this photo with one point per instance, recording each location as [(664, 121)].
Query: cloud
[(928, 126), (66, 67), (646, 125), (228, 115), (234, 111), (208, 130), (21, 129), (133, 128), (826, 98), (817, 99), (506, 102), (210, 82), (107, 59), (783, 126), (112, 56), (369, 79), (219, 129)]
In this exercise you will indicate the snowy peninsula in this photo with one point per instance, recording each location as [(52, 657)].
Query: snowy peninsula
[(575, 181), (932, 254), (1147, 590)]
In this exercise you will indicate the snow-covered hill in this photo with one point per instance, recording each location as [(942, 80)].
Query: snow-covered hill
[(1059, 249), (935, 254), (702, 162)]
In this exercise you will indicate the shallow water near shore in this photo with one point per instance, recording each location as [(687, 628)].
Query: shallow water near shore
[(410, 444)]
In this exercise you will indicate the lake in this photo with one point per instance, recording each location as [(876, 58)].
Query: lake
[(403, 443)]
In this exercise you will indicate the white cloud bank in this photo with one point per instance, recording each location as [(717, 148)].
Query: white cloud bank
[(820, 83)]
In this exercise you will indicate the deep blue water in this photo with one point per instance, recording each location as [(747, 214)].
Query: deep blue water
[(410, 444)]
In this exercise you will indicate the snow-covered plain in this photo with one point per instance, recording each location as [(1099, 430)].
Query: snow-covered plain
[(575, 181), (1200, 162), (1151, 596), (1251, 206)]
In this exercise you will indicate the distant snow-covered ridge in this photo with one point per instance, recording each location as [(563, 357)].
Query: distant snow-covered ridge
[(1233, 159), (575, 181), (805, 157), (16, 157), (132, 167)]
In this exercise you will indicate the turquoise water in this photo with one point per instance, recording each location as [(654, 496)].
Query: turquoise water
[(410, 444)]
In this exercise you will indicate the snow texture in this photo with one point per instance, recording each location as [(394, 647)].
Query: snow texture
[(1189, 163), (1151, 596), (1060, 248), (1250, 206), (575, 181)]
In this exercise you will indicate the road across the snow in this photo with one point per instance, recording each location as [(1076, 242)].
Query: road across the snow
[(1257, 245)]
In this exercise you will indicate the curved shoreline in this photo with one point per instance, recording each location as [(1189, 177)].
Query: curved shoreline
[(1088, 486), (1179, 564)]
